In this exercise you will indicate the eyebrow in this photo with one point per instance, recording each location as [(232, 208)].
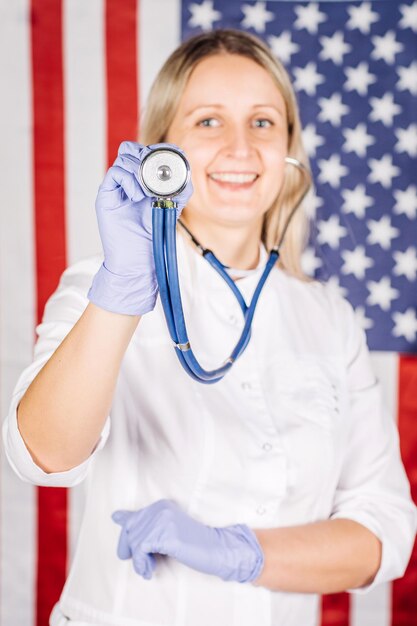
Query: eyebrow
[(221, 106)]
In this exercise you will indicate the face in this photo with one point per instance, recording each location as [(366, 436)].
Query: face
[(231, 123)]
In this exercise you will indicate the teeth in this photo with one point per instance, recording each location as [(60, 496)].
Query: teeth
[(233, 177)]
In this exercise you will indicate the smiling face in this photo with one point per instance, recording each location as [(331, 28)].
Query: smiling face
[(231, 123)]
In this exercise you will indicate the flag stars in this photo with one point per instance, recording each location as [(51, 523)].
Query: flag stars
[(330, 231), (256, 16), (383, 171), (406, 202), (409, 16), (384, 109), (283, 47), (311, 139), (311, 203), (332, 170), (364, 322), (381, 232), (407, 140), (356, 201), (356, 262), (203, 15), (386, 47), (359, 78), (310, 262), (361, 17), (332, 109), (357, 140), (334, 48), (307, 78), (309, 17), (406, 263), (408, 78), (405, 324), (381, 293)]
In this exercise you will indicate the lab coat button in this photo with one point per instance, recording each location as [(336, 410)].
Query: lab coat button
[(261, 510), (233, 319), (246, 386), (267, 446)]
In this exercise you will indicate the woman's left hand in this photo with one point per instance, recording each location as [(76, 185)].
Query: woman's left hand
[(232, 552)]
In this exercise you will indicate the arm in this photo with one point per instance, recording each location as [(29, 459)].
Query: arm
[(323, 557), (62, 413)]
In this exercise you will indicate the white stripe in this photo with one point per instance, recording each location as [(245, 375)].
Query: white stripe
[(374, 608), (17, 299), (85, 122), (159, 34)]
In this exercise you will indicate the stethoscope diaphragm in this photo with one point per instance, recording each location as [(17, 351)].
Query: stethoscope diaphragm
[(164, 173)]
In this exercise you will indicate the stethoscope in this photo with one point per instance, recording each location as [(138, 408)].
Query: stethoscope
[(164, 173)]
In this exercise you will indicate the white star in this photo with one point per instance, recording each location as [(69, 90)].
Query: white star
[(381, 293), (362, 17), (359, 78), (331, 170), (311, 203), (334, 284), (334, 48), (357, 140), (405, 324), (406, 202), (386, 47), (406, 263), (203, 15), (384, 109), (330, 231), (409, 18), (307, 78), (383, 171), (283, 47), (309, 262), (408, 78), (364, 322), (256, 16), (407, 140), (309, 17), (356, 201), (356, 262), (332, 109), (381, 232), (311, 139)]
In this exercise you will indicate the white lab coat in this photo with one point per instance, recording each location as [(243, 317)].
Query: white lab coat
[(293, 434)]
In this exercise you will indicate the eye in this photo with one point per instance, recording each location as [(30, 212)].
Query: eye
[(263, 123), (209, 122)]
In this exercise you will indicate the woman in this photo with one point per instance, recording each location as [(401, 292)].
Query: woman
[(232, 503)]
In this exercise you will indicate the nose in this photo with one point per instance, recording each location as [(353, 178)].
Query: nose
[(238, 142)]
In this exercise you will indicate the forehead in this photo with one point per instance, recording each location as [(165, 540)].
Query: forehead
[(230, 78)]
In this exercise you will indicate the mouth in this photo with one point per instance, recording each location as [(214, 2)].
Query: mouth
[(234, 180)]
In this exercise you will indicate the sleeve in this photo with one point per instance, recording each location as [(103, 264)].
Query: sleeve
[(373, 488), (62, 311)]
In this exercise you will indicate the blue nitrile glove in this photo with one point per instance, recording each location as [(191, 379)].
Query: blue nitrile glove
[(232, 552), (126, 281)]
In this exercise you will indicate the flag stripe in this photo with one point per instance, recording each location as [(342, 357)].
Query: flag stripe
[(17, 499), (121, 73), (49, 206), (404, 596), (335, 610)]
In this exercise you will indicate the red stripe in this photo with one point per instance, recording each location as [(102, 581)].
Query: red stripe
[(404, 591), (121, 72), (49, 220), (335, 609)]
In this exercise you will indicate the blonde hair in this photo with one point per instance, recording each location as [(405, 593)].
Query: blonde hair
[(163, 101)]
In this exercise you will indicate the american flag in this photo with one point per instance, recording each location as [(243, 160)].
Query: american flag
[(75, 77)]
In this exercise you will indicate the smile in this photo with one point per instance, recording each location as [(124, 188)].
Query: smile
[(234, 177)]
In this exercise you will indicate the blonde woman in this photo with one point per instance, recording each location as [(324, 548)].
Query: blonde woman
[(238, 502)]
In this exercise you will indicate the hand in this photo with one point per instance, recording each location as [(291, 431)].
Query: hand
[(126, 282), (232, 552)]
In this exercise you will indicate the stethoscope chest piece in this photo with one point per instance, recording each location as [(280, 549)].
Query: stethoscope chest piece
[(164, 173)]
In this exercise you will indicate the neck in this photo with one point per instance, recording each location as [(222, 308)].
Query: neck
[(235, 246)]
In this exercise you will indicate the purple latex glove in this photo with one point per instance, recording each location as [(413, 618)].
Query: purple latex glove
[(126, 281), (232, 552)]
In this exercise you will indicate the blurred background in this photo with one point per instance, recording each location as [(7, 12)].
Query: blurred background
[(75, 76)]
